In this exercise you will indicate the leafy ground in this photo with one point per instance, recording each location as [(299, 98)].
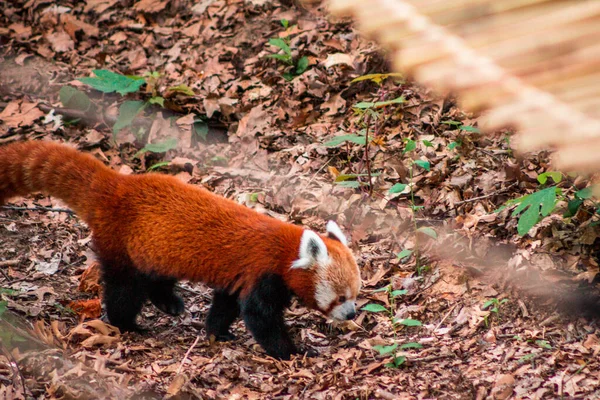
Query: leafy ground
[(477, 302)]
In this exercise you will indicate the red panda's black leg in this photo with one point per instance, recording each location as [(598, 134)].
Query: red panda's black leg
[(124, 295), (162, 294), (262, 311), (224, 310)]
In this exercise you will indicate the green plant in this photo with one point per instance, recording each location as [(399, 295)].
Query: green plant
[(495, 307), (459, 125), (298, 65), (368, 113), (404, 255), (110, 82), (397, 360), (531, 208)]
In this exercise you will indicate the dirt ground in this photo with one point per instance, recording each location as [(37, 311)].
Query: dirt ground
[(499, 315)]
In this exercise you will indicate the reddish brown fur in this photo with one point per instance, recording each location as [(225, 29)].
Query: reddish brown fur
[(162, 225)]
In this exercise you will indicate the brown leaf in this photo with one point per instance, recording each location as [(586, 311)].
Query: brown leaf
[(150, 6), (89, 282), (176, 385), (60, 42), (20, 113), (72, 25)]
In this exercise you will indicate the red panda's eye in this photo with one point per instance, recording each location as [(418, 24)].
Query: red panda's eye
[(342, 299)]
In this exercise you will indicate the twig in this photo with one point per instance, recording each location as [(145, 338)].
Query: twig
[(367, 162), (316, 173), (12, 360), (9, 263), (431, 358), (445, 317), (458, 203), (38, 208), (187, 353)]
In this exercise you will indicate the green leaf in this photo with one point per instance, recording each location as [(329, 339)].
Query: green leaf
[(404, 254), (409, 146), (468, 128), (108, 82), (281, 57), (397, 100), (428, 231), (411, 345), (453, 145), (555, 175), (372, 307), (377, 78), (288, 76), (399, 292), (160, 147), (398, 188), (527, 220), (543, 344), (408, 322), (488, 304), (183, 89), (349, 184), (453, 123), (573, 207), (73, 98), (302, 65), (383, 289), (201, 129), (398, 361), (157, 100), (585, 193), (423, 164), (545, 198), (3, 307), (127, 113), (158, 165), (427, 143), (336, 141), (284, 22), (364, 105), (278, 42), (383, 350)]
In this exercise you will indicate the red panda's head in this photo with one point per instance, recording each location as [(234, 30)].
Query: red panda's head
[(336, 276)]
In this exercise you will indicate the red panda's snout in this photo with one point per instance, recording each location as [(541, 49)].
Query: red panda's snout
[(336, 275)]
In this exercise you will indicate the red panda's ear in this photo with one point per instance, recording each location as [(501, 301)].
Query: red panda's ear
[(312, 251), (334, 232)]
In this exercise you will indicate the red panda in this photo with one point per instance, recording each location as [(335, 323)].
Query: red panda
[(151, 230)]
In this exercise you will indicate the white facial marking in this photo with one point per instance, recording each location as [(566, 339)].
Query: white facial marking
[(334, 229), (324, 294), (312, 251), (342, 311)]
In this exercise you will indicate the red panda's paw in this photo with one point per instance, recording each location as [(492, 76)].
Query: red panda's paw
[(172, 305), (307, 351), (162, 294), (222, 337)]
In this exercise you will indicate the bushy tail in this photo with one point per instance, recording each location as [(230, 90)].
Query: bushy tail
[(53, 169)]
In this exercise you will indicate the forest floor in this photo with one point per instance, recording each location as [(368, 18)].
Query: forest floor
[(483, 312)]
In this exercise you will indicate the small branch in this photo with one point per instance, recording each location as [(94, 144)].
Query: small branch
[(458, 203), (316, 173), (12, 362), (445, 317), (187, 353), (9, 263), (431, 358), (38, 208), (367, 161)]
